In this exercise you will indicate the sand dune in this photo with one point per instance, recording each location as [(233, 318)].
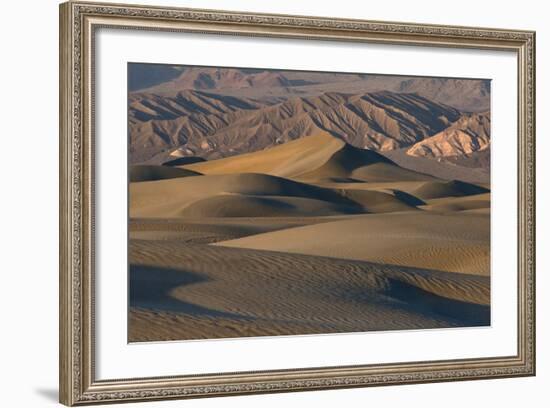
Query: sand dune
[(312, 236), (416, 191), (233, 205), (287, 160), (458, 206), (473, 197), (474, 168), (454, 204), (172, 198), (423, 240), (182, 161), (151, 173), (320, 156), (351, 163), (182, 291), (314, 162), (348, 185), (260, 195), (447, 189), (374, 201), (215, 229)]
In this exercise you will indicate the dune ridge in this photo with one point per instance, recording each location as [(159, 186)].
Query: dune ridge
[(258, 293), (310, 236), (139, 173), (424, 240), (283, 180)]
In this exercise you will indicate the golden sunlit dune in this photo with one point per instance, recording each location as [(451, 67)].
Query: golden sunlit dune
[(228, 189), (177, 197), (314, 158), (236, 205), (267, 202), (185, 291), (214, 229), (288, 160), (465, 203), (151, 173), (451, 243), (447, 189), (310, 236)]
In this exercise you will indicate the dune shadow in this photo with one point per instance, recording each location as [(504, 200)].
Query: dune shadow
[(150, 288), (408, 198), (182, 161), (466, 313)]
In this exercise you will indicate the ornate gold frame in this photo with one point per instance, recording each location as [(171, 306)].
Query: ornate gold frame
[(77, 24)]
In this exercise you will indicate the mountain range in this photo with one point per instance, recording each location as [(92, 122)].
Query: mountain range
[(199, 113), (468, 95), (267, 202), (211, 126), (469, 134)]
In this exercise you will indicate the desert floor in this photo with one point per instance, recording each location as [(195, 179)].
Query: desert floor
[(312, 236)]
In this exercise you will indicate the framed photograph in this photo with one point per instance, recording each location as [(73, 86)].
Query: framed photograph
[(258, 203)]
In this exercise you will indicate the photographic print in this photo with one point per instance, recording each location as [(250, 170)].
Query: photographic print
[(267, 202), (287, 213)]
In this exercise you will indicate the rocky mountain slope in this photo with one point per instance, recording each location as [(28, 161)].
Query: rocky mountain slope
[(470, 134)]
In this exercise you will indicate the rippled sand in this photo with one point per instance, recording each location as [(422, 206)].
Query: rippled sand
[(313, 236)]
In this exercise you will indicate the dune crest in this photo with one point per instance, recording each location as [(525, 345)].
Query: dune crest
[(202, 291), (139, 173), (287, 160), (317, 157), (266, 203), (431, 241)]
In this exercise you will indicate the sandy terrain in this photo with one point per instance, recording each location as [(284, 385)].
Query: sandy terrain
[(182, 291), (452, 243), (312, 236)]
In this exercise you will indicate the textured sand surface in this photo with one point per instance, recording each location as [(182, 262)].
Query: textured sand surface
[(453, 243), (139, 173), (210, 230), (311, 236), (184, 291)]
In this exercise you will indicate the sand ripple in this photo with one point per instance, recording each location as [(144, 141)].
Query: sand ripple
[(182, 291)]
